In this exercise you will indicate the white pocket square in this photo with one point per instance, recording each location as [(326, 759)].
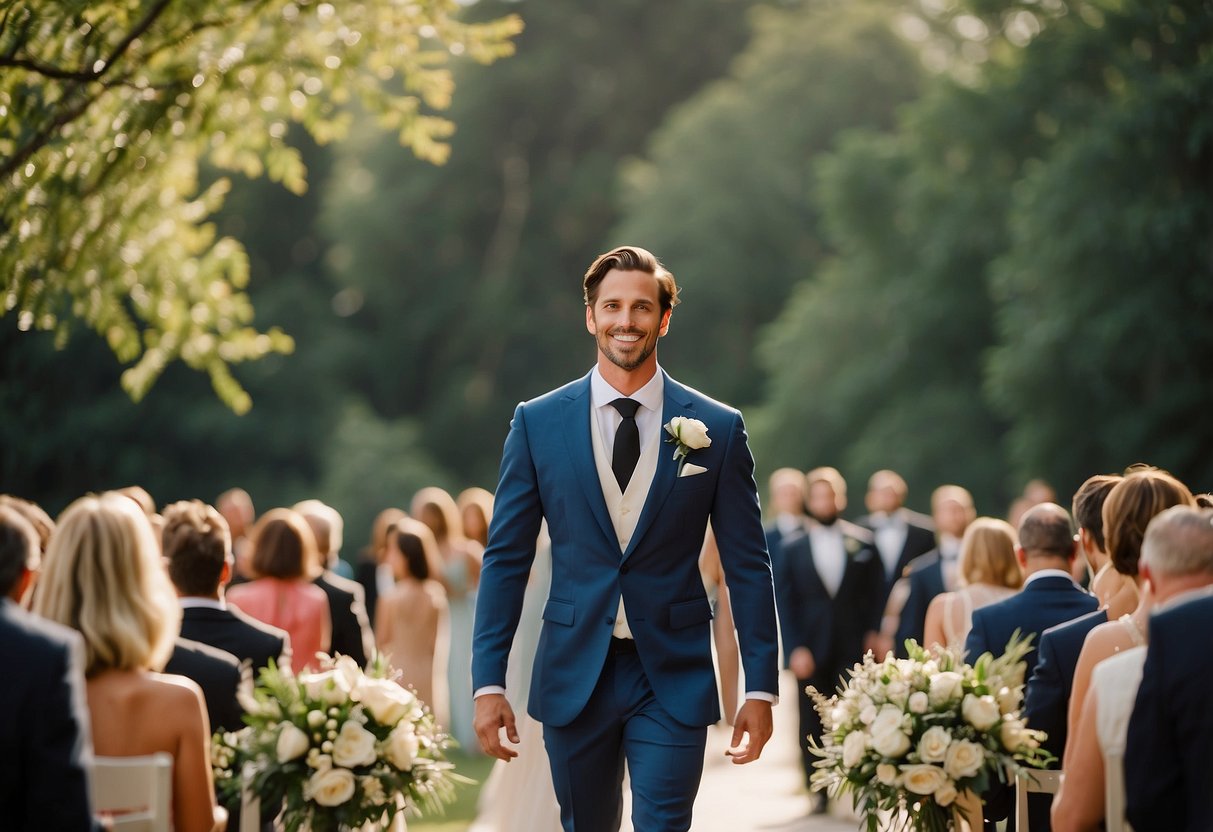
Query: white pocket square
[(690, 469)]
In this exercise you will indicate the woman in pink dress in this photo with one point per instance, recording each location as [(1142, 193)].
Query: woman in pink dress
[(284, 560)]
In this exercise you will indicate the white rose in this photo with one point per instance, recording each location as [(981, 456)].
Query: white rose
[(945, 687), (387, 701), (923, 779), (403, 745), (292, 743), (933, 746), (328, 687), (1009, 699), (964, 759), (918, 702), (690, 432), (981, 711), (330, 787), (349, 671), (354, 746), (887, 773), (1012, 734), (946, 793), (853, 748), (888, 738)]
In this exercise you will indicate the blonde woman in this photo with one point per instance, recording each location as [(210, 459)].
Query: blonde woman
[(411, 624), (103, 576), (989, 572), (476, 510)]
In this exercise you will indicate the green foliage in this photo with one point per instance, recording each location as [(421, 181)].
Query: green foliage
[(108, 109)]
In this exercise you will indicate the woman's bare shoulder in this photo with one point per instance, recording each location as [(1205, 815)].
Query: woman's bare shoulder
[(174, 689)]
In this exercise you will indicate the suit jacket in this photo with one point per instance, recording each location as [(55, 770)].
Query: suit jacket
[(352, 634), (45, 745), (1041, 604), (833, 628), (218, 674), (1046, 705), (366, 574), (1168, 774), (548, 471), (920, 539), (244, 637), (924, 575)]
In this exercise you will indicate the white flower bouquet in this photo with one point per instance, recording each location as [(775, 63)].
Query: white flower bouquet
[(338, 749), (918, 739)]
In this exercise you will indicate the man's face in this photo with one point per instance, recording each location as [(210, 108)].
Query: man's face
[(883, 498), (823, 502), (626, 319), (788, 498), (951, 518)]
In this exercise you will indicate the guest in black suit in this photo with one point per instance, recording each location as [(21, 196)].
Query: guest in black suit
[(1048, 691), (199, 557), (1049, 597), (786, 488), (900, 534), (930, 574), (1168, 774), (44, 731), (372, 571), (217, 672), (829, 583), (352, 635)]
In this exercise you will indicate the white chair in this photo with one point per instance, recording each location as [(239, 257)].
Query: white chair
[(1114, 792), (135, 792), (1040, 782), (250, 803)]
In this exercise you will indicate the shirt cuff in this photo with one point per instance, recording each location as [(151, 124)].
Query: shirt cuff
[(487, 689), (763, 695)]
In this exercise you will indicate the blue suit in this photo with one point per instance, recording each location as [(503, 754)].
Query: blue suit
[(1168, 775), (924, 575), (548, 471), (1043, 603), (1047, 703)]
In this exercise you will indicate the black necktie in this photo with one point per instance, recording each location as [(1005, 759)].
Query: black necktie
[(627, 442)]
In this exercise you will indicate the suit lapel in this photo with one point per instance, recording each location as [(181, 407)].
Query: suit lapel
[(677, 402), (575, 413)]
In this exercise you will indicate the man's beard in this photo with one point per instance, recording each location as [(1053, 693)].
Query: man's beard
[(646, 349), (828, 520)]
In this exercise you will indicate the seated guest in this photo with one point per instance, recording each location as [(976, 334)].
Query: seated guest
[(44, 729), (988, 573), (1176, 562), (103, 576), (282, 595), (1130, 507), (1167, 761), (236, 506), (1049, 597), (373, 571), (352, 635), (412, 629), (217, 672), (1048, 691), (936, 572), (199, 558)]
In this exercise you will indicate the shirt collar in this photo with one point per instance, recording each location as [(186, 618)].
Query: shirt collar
[(651, 396), (1049, 573), (1184, 597), (192, 601)]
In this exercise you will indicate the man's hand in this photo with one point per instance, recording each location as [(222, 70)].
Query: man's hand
[(493, 713), (754, 719), (801, 663)]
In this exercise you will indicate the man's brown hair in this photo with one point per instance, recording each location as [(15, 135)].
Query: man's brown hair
[(284, 547), (196, 543), (630, 259)]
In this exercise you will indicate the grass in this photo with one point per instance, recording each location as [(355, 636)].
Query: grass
[(460, 814)]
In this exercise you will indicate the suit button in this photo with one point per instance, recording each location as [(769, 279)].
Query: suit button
[(610, 622), (623, 570)]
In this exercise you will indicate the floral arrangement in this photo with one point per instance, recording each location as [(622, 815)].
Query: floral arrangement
[(338, 749), (918, 739)]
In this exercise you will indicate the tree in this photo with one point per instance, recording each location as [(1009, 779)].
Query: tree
[(107, 111)]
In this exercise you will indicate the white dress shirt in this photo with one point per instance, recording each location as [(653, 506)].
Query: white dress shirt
[(829, 555), (891, 532)]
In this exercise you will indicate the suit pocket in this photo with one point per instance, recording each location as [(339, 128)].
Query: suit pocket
[(689, 613), (558, 612)]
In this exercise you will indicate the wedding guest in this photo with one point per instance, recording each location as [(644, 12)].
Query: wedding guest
[(1048, 691), (1049, 596), (901, 535), (1176, 565), (103, 576), (373, 571), (351, 629), (829, 585), (33, 514), (284, 558), (786, 489), (988, 573), (199, 557), (476, 511), (412, 630), (724, 637), (1036, 491), (928, 575), (236, 506), (1131, 505), (44, 730), (217, 673), (460, 576)]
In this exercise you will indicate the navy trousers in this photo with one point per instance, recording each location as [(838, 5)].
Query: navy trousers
[(623, 721)]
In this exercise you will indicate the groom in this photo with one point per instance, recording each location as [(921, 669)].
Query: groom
[(624, 665)]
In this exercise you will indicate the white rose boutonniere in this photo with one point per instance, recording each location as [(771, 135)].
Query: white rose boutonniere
[(686, 435)]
